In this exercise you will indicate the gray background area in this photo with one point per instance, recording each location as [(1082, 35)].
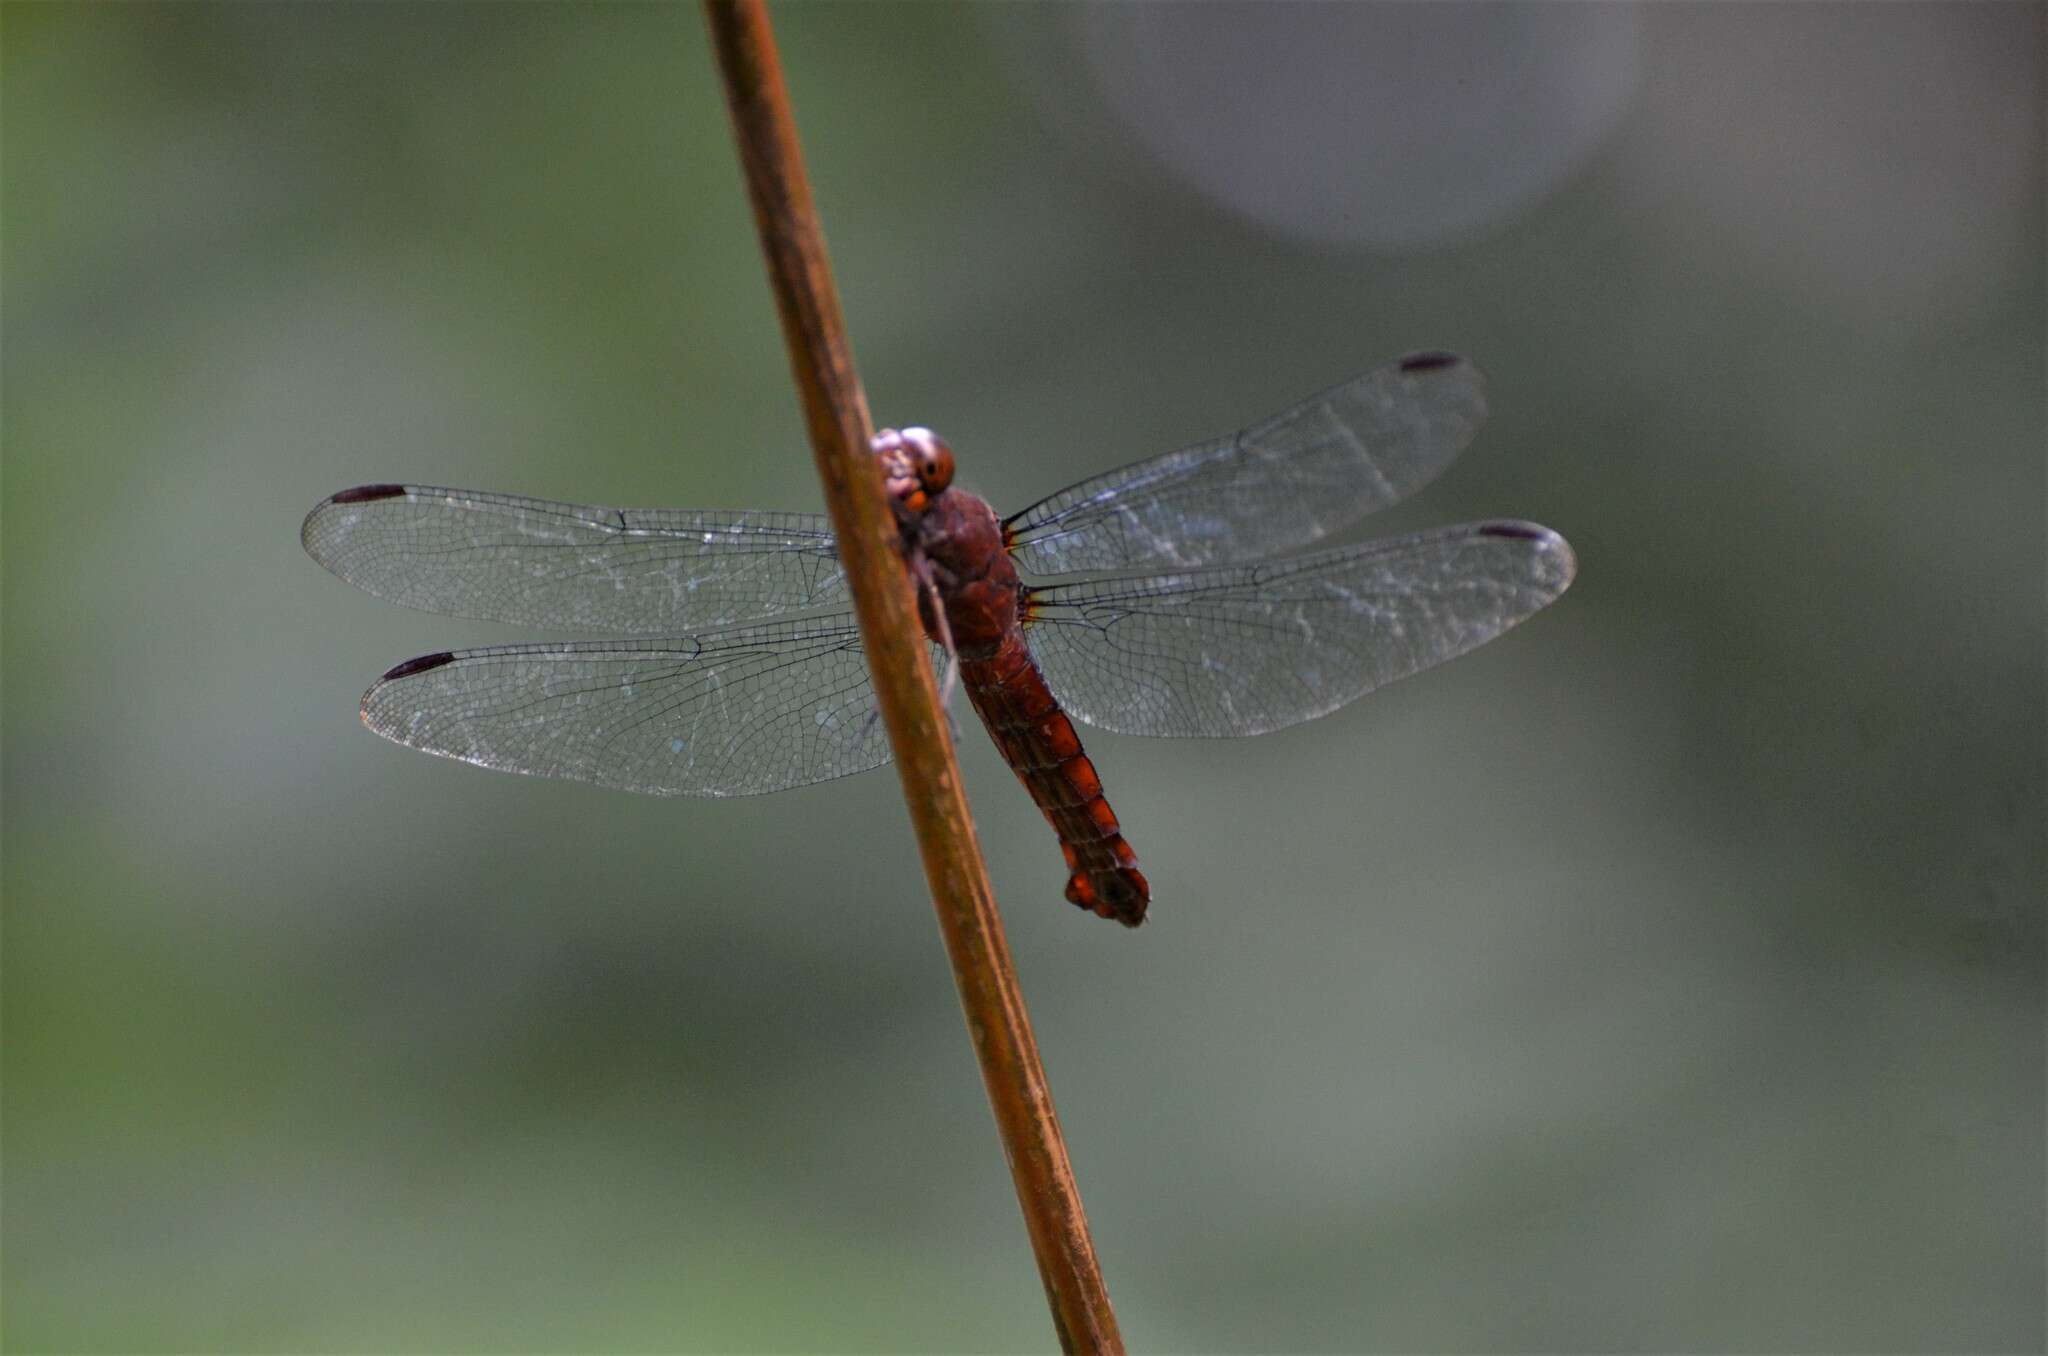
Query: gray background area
[(1666, 976)]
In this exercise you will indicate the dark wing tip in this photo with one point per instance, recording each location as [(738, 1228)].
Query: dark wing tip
[(315, 534), (363, 494), (419, 665), (1566, 561), (1431, 361)]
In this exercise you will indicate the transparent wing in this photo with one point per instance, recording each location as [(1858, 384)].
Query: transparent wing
[(499, 557), (729, 713), (1279, 484), (1246, 649)]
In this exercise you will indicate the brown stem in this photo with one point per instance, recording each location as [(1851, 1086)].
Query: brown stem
[(883, 599)]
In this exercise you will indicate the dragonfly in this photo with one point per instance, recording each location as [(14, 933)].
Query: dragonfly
[(1170, 605)]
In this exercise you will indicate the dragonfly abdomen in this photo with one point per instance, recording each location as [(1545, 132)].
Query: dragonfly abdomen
[(1039, 743)]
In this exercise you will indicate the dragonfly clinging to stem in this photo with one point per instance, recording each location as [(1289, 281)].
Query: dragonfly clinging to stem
[(1164, 613)]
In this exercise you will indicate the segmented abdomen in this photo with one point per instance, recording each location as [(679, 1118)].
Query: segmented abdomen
[(1038, 741)]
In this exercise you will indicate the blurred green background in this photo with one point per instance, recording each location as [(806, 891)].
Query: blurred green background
[(1666, 976)]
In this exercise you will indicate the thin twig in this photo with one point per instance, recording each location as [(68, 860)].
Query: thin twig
[(883, 599)]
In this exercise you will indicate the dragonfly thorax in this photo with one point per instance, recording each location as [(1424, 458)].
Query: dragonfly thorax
[(959, 543)]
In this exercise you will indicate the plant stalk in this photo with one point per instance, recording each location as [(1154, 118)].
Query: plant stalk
[(885, 603)]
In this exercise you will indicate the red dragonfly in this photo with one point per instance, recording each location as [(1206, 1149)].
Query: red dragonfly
[(724, 704)]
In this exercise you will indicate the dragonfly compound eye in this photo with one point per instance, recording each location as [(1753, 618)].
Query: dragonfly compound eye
[(931, 458)]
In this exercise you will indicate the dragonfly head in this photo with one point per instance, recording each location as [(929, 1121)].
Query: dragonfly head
[(916, 465)]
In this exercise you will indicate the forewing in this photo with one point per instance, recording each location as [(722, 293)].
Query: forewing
[(1246, 649), (729, 713), (1279, 484), (499, 557)]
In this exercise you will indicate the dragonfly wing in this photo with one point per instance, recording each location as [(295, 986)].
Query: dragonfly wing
[(500, 557), (728, 713), (1279, 484), (1242, 650)]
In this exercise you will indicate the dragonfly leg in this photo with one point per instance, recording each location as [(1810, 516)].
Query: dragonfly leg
[(935, 604)]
